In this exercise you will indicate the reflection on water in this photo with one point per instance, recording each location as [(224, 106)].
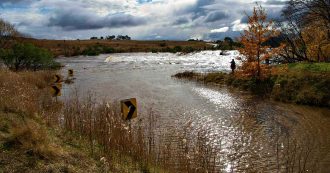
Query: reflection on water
[(242, 133)]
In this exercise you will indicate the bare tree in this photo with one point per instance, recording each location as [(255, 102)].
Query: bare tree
[(301, 16), (306, 12), (7, 32)]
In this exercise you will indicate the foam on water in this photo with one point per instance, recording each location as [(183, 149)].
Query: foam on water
[(201, 61)]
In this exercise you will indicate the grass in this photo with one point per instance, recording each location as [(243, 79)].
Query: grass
[(27, 142), (309, 67), (301, 83)]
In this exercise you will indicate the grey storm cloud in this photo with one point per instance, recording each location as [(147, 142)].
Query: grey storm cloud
[(180, 21), (85, 21), (15, 1), (197, 10), (221, 35), (276, 2), (272, 13), (216, 16)]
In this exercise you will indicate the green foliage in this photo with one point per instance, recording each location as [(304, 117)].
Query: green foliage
[(162, 44), (154, 50), (228, 44), (311, 67), (97, 50), (27, 56), (303, 88), (177, 49), (188, 49), (108, 50), (228, 40)]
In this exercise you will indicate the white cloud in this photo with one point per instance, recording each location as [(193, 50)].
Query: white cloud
[(223, 29), (238, 26)]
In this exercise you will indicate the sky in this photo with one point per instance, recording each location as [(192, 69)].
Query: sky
[(140, 19)]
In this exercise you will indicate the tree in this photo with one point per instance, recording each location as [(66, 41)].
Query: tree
[(317, 45), (110, 37), (306, 12), (228, 40), (302, 19), (122, 37), (259, 30), (7, 32)]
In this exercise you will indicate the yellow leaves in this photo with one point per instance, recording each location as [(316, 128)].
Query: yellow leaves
[(259, 30), (317, 42), (283, 69)]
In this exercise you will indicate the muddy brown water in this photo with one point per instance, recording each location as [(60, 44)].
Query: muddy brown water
[(248, 131)]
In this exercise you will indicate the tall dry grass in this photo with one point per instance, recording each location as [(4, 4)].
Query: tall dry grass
[(244, 144), (22, 107)]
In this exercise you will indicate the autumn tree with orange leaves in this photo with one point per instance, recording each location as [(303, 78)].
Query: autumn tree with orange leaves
[(257, 55)]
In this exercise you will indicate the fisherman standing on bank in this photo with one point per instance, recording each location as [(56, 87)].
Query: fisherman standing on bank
[(232, 65)]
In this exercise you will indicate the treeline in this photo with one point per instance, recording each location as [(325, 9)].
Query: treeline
[(112, 37), (227, 44), (22, 56)]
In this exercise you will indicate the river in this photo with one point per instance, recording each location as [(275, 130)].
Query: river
[(226, 115)]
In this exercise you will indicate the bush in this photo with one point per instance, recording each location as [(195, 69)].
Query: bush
[(108, 50), (91, 51), (188, 49), (162, 44), (177, 49), (97, 50), (27, 56)]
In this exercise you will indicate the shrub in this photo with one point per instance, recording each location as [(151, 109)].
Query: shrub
[(154, 50), (97, 50), (27, 56), (91, 51), (162, 44), (188, 49), (177, 49), (108, 50)]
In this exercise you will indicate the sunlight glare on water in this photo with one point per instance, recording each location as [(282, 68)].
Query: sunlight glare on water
[(242, 129)]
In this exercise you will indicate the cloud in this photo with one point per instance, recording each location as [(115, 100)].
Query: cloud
[(216, 16), (180, 21), (223, 29), (13, 1), (275, 2), (140, 19), (86, 21), (238, 26)]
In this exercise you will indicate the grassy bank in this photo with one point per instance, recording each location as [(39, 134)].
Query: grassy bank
[(28, 141), (37, 133), (94, 47), (302, 83)]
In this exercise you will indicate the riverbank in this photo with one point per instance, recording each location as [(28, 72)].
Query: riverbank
[(94, 47), (29, 141), (38, 134), (301, 83)]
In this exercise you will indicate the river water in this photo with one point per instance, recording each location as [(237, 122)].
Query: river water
[(243, 126)]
